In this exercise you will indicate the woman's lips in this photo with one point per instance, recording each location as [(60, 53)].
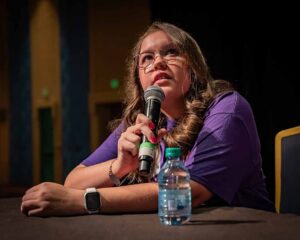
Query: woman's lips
[(161, 76)]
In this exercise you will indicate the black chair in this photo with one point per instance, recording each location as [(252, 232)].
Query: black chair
[(287, 171)]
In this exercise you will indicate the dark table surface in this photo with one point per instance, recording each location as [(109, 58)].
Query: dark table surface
[(206, 223)]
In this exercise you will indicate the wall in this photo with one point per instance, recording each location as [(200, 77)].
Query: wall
[(56, 67), (114, 28), (4, 97)]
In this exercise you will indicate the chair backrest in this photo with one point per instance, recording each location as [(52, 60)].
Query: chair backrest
[(287, 171)]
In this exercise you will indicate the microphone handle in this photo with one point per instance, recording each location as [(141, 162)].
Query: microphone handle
[(152, 111), (147, 149)]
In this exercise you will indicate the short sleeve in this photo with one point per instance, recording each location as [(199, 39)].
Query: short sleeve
[(107, 150), (220, 159)]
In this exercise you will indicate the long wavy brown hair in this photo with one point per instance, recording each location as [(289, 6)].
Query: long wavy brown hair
[(202, 91)]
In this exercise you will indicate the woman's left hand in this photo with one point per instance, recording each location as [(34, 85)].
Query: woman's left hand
[(49, 199)]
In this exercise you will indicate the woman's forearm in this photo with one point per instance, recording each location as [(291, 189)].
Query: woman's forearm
[(52, 199), (142, 197), (128, 199), (96, 175)]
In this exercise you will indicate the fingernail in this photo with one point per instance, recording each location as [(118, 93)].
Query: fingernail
[(153, 139), (151, 125)]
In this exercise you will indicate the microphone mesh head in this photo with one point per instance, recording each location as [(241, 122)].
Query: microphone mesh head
[(154, 92)]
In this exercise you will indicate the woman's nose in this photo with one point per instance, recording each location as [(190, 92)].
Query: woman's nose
[(159, 62)]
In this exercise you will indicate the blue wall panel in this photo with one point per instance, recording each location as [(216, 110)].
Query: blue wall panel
[(74, 67), (20, 94)]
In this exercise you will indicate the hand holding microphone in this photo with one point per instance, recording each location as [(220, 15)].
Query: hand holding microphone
[(153, 96)]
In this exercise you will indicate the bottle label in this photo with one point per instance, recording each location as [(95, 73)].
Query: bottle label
[(172, 205), (147, 149), (178, 202), (171, 201)]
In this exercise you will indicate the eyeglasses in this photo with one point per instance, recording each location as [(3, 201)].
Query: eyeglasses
[(169, 54)]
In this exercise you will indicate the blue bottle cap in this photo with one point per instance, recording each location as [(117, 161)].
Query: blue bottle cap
[(173, 152)]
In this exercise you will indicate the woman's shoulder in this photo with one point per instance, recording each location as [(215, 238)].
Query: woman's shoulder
[(230, 102)]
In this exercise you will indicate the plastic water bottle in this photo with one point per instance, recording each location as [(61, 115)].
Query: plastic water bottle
[(174, 199)]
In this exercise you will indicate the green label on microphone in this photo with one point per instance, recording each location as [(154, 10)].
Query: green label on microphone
[(147, 148)]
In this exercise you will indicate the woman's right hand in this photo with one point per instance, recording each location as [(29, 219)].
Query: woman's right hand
[(128, 144)]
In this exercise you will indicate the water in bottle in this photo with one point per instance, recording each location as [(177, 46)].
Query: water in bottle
[(174, 199)]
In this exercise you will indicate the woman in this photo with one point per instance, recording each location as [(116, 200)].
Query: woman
[(213, 125)]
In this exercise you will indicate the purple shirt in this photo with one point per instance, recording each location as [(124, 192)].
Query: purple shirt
[(225, 157)]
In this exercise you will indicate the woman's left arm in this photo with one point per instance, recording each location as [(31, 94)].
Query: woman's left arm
[(52, 199)]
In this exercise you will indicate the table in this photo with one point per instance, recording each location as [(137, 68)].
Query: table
[(206, 223)]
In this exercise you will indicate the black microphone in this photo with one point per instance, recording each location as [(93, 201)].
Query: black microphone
[(153, 96)]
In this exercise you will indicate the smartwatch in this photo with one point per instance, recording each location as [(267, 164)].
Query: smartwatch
[(92, 200)]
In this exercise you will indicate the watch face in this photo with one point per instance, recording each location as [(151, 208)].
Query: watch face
[(92, 201)]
